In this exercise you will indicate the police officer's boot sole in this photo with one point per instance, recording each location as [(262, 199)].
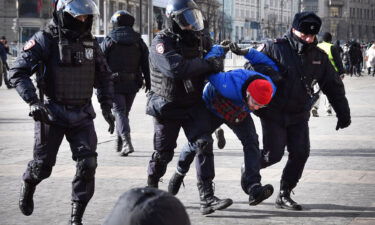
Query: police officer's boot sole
[(266, 193), (26, 202), (220, 138)]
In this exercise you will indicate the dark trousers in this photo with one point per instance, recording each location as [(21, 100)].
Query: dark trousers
[(246, 133), (121, 106), (294, 136), (197, 131), (82, 140)]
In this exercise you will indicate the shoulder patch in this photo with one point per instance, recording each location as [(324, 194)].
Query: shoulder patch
[(160, 48), (29, 44)]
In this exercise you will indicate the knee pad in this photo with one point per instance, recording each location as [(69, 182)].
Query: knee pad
[(38, 170), (86, 168)]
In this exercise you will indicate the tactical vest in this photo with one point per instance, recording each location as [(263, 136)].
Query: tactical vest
[(325, 46), (72, 83), (124, 60), (176, 90)]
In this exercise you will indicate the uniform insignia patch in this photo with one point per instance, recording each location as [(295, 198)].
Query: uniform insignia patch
[(89, 53), (160, 48), (29, 44), (316, 62)]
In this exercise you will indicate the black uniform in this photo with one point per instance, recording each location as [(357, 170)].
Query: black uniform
[(178, 73), (285, 120), (68, 88), (127, 56)]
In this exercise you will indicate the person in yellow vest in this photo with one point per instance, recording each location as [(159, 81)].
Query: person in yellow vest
[(334, 57)]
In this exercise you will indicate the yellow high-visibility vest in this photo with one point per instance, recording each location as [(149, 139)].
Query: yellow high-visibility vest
[(325, 46)]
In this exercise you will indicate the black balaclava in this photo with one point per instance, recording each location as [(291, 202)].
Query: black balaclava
[(73, 28)]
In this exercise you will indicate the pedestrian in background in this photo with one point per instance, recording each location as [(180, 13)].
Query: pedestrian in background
[(370, 60), (127, 57)]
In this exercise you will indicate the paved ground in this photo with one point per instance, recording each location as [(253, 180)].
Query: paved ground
[(338, 186)]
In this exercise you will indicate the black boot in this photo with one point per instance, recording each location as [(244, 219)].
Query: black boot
[(127, 146), (283, 200), (78, 209), (175, 183), (118, 146), (219, 133), (259, 193), (26, 202), (152, 182), (210, 203)]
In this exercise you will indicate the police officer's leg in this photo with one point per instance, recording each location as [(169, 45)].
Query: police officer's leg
[(83, 142), (128, 146), (250, 176), (45, 149), (299, 151), (119, 109), (165, 136), (274, 142), (198, 131)]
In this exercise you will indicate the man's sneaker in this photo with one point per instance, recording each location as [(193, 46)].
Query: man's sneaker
[(314, 112), (329, 112), (175, 183), (259, 193), (210, 205), (284, 201), (219, 133)]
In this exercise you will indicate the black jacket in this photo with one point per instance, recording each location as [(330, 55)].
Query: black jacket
[(302, 66), (126, 51)]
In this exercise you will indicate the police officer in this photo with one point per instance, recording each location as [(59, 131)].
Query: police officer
[(127, 56), (70, 64), (285, 120), (178, 73)]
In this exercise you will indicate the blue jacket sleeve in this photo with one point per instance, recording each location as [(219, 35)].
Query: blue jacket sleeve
[(216, 51), (256, 57), (169, 62)]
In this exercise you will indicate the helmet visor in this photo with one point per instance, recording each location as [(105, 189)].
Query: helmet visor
[(78, 7), (190, 19)]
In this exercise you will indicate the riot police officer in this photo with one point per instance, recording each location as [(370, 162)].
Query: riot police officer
[(127, 56), (178, 73), (70, 64)]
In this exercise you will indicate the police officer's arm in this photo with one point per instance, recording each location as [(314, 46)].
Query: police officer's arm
[(35, 50), (145, 64), (105, 45), (337, 59), (172, 64), (103, 81), (332, 86)]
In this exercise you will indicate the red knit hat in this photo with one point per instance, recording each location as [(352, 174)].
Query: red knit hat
[(261, 91)]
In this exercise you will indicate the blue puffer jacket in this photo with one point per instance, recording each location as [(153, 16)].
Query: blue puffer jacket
[(232, 84)]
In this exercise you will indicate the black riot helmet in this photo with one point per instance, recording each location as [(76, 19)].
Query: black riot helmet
[(186, 14), (122, 18), (69, 11)]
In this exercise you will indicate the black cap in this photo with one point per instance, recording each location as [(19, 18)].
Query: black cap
[(327, 37), (307, 22), (147, 206)]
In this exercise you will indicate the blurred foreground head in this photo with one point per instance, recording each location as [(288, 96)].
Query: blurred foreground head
[(147, 206)]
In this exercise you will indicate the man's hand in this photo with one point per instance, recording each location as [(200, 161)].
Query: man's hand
[(39, 112), (225, 44), (237, 50), (108, 116), (216, 63), (343, 122)]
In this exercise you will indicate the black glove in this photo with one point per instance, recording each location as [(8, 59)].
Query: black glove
[(237, 50), (39, 112), (225, 44), (108, 116), (343, 122), (216, 63)]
